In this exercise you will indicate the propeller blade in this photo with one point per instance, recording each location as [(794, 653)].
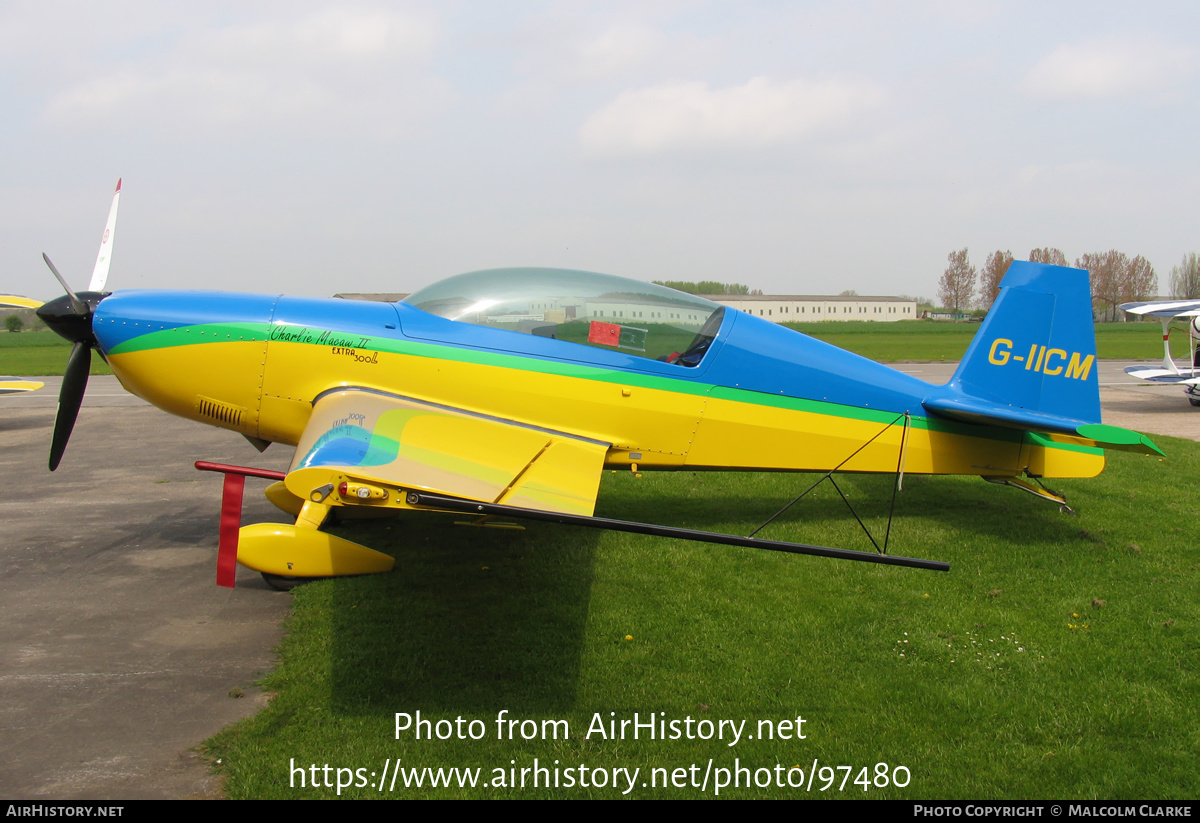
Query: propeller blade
[(104, 256), (70, 397), (77, 305)]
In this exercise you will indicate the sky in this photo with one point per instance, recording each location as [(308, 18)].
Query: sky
[(795, 147)]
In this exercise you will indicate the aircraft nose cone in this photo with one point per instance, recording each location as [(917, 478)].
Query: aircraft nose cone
[(59, 315)]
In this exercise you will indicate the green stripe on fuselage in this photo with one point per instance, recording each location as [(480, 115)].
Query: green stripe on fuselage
[(194, 335)]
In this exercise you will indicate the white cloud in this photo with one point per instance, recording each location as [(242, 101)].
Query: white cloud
[(324, 67), (1108, 67), (687, 116), (618, 49), (333, 35)]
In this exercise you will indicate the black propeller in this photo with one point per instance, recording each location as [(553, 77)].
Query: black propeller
[(70, 316)]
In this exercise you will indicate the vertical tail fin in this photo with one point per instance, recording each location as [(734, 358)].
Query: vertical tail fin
[(1036, 349), (1032, 365)]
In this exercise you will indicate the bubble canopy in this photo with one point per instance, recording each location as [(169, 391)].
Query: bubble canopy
[(581, 307)]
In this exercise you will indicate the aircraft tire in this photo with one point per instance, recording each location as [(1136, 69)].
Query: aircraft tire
[(280, 583), (1194, 401)]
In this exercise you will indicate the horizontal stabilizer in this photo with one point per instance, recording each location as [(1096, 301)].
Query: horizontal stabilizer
[(1115, 437), (975, 410), (1164, 308)]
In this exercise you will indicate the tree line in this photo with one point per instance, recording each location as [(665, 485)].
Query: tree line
[(706, 287), (1116, 278)]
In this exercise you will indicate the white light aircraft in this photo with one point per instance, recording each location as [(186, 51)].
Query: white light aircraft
[(1167, 311)]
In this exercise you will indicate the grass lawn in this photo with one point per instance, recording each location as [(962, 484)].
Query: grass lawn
[(39, 352), (925, 340), (1057, 659)]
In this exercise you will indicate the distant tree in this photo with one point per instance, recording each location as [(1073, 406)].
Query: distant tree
[(1052, 257), (1116, 279), (1102, 270), (705, 287), (1185, 278), (923, 303), (678, 285), (848, 293), (990, 277), (957, 285), (14, 323), (1138, 282)]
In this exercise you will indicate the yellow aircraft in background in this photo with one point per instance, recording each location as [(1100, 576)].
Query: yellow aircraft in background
[(16, 385)]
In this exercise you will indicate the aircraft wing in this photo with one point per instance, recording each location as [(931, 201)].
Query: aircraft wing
[(1164, 308), (388, 440), (13, 301), (15, 385), (1157, 374)]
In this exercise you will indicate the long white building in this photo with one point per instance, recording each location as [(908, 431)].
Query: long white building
[(778, 308), (803, 308)]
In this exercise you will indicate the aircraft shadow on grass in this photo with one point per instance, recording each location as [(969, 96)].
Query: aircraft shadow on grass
[(479, 620)]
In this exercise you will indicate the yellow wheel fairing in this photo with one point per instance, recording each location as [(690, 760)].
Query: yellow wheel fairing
[(291, 551)]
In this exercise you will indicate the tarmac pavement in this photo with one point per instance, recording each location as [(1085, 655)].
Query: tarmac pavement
[(119, 653)]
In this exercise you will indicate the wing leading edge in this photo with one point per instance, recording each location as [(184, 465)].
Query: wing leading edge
[(16, 385)]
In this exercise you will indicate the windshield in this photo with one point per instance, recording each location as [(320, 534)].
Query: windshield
[(591, 309)]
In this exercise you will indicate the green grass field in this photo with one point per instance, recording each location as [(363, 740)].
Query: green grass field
[(924, 340), (39, 352), (1057, 659)]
